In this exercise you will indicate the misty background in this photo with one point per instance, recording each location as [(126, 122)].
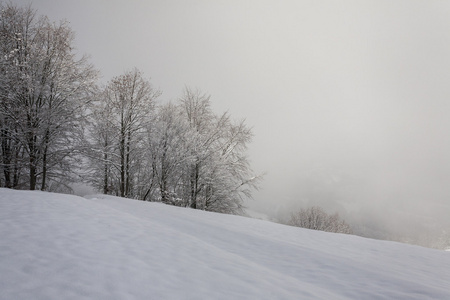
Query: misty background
[(348, 100)]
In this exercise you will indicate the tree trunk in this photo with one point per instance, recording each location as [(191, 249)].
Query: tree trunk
[(6, 154), (127, 166), (163, 182), (44, 161), (32, 172), (16, 175), (122, 173), (32, 161), (105, 174), (194, 185), (122, 157), (44, 169)]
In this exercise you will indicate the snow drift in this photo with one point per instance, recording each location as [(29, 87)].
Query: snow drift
[(55, 246)]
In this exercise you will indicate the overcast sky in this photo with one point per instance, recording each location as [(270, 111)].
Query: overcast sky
[(348, 100)]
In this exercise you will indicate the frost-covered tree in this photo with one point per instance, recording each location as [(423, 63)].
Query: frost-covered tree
[(44, 90), (218, 174), (195, 109), (197, 157), (120, 116), (12, 21), (99, 146), (317, 219), (169, 143), (181, 154)]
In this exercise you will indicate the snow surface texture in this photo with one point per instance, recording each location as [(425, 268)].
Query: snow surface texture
[(56, 246)]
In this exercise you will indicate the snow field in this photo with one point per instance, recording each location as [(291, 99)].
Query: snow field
[(55, 246)]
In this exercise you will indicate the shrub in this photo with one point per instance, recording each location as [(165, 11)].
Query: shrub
[(317, 219)]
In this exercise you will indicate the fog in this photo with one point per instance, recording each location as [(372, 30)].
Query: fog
[(348, 100)]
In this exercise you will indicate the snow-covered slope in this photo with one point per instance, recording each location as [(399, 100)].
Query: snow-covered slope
[(56, 246)]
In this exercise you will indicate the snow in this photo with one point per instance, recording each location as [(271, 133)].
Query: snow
[(55, 246), (257, 215)]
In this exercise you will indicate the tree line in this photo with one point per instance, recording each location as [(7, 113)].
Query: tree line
[(57, 123)]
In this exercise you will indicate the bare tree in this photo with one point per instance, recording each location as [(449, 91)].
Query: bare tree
[(99, 146), (195, 108), (198, 158), (220, 176), (169, 143), (120, 117), (195, 158), (44, 97), (14, 23)]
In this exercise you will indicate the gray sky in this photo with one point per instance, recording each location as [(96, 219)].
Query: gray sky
[(348, 100)]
